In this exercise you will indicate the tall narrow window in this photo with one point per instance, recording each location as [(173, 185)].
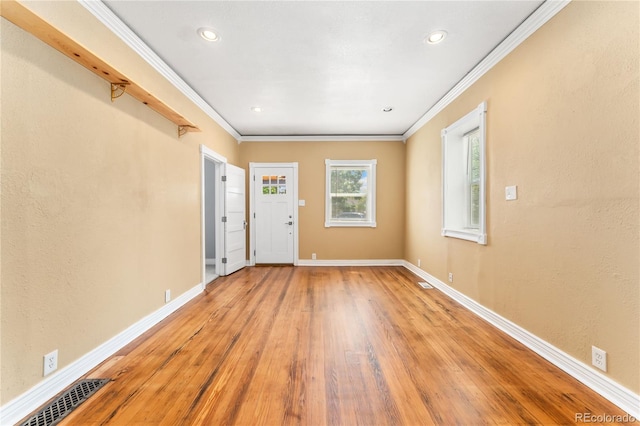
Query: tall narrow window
[(463, 172), (350, 193), (472, 146)]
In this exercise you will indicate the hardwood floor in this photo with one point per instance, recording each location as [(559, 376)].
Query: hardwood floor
[(326, 345)]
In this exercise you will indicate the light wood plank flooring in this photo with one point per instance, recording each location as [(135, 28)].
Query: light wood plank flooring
[(328, 345)]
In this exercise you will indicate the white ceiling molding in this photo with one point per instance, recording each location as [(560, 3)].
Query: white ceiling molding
[(537, 19), (113, 23), (319, 138)]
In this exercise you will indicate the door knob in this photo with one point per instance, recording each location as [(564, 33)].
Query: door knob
[(288, 223)]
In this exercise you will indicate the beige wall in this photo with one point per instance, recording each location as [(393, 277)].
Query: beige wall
[(563, 260), (386, 241), (100, 201)]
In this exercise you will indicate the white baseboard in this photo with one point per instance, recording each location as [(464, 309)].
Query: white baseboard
[(614, 392), (624, 398), (358, 262), (20, 407)]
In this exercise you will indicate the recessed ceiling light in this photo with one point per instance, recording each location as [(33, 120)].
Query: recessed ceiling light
[(256, 109), (387, 109), (208, 34), (435, 37)]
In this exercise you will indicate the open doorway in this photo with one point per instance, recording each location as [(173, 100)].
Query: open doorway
[(223, 216), (212, 234), (210, 219)]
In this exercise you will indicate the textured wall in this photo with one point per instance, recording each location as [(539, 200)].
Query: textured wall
[(100, 201), (562, 124), (383, 242)]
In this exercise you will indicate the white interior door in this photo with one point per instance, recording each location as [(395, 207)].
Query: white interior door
[(234, 220), (274, 201)]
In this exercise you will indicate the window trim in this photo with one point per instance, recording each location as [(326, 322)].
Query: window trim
[(371, 196), (452, 135)]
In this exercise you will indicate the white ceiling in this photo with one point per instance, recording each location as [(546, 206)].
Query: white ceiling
[(322, 67)]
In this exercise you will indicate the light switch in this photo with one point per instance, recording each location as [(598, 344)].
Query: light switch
[(511, 193), (301, 203)]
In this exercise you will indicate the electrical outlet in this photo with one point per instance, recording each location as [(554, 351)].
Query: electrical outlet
[(50, 363), (167, 296), (450, 277), (313, 256), (418, 263), (599, 358)]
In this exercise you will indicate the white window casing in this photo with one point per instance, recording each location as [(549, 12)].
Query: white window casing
[(459, 219), (355, 207)]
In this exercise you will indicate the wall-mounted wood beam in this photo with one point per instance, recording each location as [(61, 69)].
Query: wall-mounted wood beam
[(30, 22)]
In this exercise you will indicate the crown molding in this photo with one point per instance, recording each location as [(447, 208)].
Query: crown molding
[(530, 25), (538, 18), (320, 138), (113, 23)]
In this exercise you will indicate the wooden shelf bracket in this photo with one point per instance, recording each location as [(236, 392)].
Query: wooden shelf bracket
[(186, 128), (117, 90)]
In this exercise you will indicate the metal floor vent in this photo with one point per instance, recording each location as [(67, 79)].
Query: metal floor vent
[(65, 403), (424, 284)]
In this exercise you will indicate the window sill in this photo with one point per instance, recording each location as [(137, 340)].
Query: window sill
[(465, 235), (350, 224)]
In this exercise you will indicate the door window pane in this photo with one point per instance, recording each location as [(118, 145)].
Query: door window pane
[(274, 185)]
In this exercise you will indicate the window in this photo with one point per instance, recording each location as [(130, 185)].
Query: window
[(463, 170), (472, 187), (350, 193), (274, 185)]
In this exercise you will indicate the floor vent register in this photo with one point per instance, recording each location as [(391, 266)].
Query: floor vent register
[(65, 403)]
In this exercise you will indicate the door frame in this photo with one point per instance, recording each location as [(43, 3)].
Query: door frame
[(252, 214), (207, 154)]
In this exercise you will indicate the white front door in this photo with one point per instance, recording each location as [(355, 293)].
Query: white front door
[(275, 213), (234, 220)]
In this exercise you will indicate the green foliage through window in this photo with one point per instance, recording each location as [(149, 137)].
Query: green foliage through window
[(348, 193), (274, 185)]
